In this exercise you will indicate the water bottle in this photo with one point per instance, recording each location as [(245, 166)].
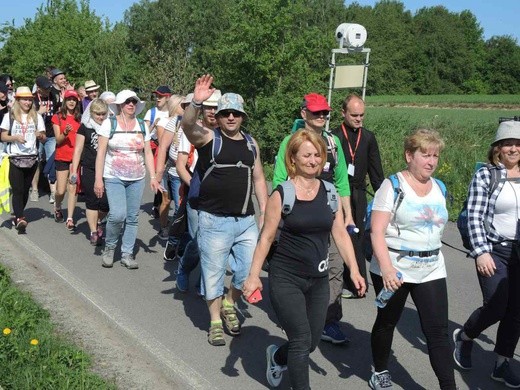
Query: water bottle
[(384, 295), (352, 229)]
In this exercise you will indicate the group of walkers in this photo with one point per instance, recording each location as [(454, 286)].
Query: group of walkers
[(196, 152)]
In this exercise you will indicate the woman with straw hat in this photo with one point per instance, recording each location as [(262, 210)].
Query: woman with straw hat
[(20, 130)]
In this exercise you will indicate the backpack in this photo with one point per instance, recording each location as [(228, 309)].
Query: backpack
[(462, 219), (196, 180), (398, 199), (288, 199)]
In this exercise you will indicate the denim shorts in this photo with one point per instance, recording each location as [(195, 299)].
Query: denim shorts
[(224, 241)]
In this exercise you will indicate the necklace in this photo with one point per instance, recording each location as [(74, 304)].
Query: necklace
[(126, 124), (308, 191)]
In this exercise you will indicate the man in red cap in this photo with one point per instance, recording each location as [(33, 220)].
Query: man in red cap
[(315, 111)]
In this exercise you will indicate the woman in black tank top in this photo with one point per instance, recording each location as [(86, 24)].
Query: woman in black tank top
[(298, 283)]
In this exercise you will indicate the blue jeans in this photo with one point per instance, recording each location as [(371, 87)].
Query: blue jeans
[(300, 303), (49, 147), (190, 259), (174, 184), (220, 239), (501, 293), (124, 200)]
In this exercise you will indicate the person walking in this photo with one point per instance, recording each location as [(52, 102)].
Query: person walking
[(406, 237), (494, 234)]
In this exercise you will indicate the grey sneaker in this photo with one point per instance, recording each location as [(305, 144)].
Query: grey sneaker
[(274, 372), (462, 350), (381, 381), (108, 258), (34, 196), (129, 262)]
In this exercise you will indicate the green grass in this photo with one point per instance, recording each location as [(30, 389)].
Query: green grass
[(445, 99), (32, 354)]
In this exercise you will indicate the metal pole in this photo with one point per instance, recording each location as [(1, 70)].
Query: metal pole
[(332, 66), (365, 74)]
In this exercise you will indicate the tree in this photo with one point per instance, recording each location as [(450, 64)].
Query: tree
[(502, 72)]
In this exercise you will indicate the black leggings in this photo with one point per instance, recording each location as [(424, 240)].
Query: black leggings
[(431, 300), (300, 303), (20, 180)]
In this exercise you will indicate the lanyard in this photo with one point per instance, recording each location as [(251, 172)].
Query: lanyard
[(352, 153)]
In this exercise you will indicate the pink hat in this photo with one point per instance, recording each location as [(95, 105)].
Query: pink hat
[(315, 102)]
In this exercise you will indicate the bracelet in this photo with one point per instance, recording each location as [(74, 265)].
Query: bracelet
[(196, 105), (153, 177)]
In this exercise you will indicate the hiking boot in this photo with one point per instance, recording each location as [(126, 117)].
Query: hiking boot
[(170, 252), (52, 198), (503, 373), (58, 216), (164, 233), (108, 258), (182, 279), (129, 262), (216, 335), (20, 225), (381, 381), (35, 196), (273, 372), (230, 320), (462, 351), (333, 334), (70, 225)]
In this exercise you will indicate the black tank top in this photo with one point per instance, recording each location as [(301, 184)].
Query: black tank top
[(304, 240), (225, 190)]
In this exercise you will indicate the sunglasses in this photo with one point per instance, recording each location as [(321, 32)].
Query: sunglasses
[(227, 113), (131, 101), (320, 113)]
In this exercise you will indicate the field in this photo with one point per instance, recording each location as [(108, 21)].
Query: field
[(446, 100)]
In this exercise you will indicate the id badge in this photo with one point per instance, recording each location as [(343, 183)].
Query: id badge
[(326, 168), (351, 169)]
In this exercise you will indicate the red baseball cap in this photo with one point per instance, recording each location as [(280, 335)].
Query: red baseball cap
[(70, 93), (315, 102)]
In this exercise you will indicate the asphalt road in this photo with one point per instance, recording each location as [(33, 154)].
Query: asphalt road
[(172, 326)]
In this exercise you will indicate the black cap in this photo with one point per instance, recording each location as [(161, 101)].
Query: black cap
[(43, 82), (163, 90), (56, 72), (3, 87)]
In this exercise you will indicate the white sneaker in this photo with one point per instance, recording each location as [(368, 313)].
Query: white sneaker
[(274, 372), (51, 198), (34, 196), (381, 381)]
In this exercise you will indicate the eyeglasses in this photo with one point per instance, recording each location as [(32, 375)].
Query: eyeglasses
[(320, 113), (131, 101), (100, 113), (227, 113)]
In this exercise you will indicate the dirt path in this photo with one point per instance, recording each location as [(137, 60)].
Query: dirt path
[(115, 355)]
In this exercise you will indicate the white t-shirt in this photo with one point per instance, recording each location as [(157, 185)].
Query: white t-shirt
[(28, 130), (158, 115), (125, 152), (173, 126), (421, 222), (507, 210)]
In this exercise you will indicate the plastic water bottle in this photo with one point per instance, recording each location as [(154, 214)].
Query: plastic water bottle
[(384, 295), (352, 229)]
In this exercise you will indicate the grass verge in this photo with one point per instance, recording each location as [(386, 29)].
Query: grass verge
[(32, 354)]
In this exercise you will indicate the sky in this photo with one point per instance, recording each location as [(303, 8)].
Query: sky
[(498, 17)]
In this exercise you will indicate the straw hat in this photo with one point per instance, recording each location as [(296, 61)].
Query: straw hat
[(90, 85), (23, 92)]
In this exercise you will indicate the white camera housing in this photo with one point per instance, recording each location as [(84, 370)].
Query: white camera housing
[(351, 36)]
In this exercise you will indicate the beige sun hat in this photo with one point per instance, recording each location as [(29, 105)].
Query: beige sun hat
[(90, 85), (23, 92), (507, 130), (213, 99)]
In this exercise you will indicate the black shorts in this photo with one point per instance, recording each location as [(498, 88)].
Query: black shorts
[(62, 165), (92, 202)]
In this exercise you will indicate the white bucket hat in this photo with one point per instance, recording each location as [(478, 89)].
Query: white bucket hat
[(507, 130), (121, 97), (213, 99)]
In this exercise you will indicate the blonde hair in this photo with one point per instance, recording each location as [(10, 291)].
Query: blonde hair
[(16, 113), (422, 139), (98, 105), (294, 144), (174, 103)]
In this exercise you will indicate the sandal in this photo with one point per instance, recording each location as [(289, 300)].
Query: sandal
[(216, 335), (70, 224), (58, 215), (230, 320)]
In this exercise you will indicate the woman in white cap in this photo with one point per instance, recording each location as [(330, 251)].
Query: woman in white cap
[(494, 234), (20, 130), (123, 153)]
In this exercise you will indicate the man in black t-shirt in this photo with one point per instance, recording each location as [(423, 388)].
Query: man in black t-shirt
[(362, 155)]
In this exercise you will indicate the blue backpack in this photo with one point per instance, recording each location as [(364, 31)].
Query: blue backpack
[(113, 126), (196, 180), (398, 199)]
